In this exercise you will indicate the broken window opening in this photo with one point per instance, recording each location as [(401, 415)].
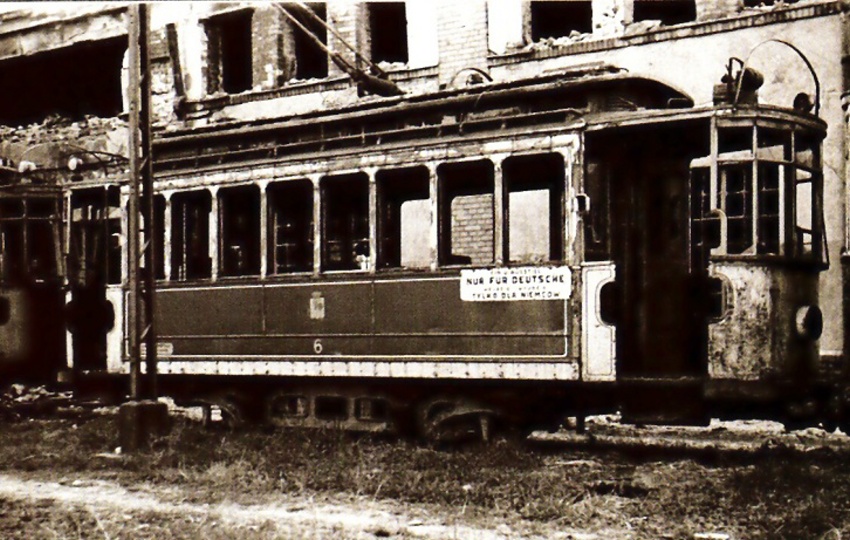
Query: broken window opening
[(229, 66), (96, 239), (239, 223), (666, 11), (534, 208), (190, 235), (556, 19), (88, 73), (311, 61), (404, 218), (345, 222), (290, 227), (466, 213), (388, 32)]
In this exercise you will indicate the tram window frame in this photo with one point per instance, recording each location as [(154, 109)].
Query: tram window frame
[(43, 238), (239, 231), (463, 182), (345, 222), (193, 261), (96, 215), (524, 175), (808, 172), (403, 240), (12, 241), (290, 244)]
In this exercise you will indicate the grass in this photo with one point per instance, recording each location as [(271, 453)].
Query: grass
[(771, 498)]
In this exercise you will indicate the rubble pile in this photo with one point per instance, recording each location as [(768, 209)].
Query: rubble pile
[(19, 401), (92, 133)]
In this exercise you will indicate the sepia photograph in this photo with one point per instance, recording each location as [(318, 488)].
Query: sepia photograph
[(425, 269)]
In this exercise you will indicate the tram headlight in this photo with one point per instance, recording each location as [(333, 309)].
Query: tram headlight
[(808, 322)]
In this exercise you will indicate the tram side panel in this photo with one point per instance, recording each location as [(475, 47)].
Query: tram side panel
[(396, 321)]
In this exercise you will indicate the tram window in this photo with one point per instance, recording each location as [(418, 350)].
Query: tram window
[(190, 235), (12, 253), (597, 223), (705, 224), (42, 238), (737, 203), (806, 150), (95, 250), (290, 227), (239, 215), (736, 142), (404, 221), (466, 213), (774, 145), (345, 222), (803, 221), (768, 208), (159, 232), (534, 185)]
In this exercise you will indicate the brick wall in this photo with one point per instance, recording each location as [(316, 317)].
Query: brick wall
[(462, 37), (267, 46), (472, 227), (350, 21)]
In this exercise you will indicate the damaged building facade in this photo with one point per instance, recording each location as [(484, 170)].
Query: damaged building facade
[(224, 74)]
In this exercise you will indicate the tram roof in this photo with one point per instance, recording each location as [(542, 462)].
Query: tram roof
[(586, 86)]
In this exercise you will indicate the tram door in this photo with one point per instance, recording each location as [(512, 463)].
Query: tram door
[(661, 333), (94, 263)]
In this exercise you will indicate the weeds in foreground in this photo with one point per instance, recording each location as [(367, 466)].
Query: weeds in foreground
[(770, 499)]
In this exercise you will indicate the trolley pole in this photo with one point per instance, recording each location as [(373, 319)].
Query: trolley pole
[(142, 417)]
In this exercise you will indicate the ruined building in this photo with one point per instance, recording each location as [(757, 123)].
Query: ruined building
[(224, 67)]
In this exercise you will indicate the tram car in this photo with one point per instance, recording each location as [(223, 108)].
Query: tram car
[(501, 255), (32, 334)]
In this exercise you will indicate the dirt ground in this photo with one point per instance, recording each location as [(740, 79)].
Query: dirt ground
[(61, 477)]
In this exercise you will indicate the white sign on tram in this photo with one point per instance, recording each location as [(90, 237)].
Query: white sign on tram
[(515, 284)]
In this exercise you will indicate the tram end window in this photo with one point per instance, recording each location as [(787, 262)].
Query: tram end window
[(404, 218), (804, 223), (735, 142), (737, 204), (290, 234), (345, 222), (190, 235), (534, 208), (769, 206), (239, 252), (466, 213)]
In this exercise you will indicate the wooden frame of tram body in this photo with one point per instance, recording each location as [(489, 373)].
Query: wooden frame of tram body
[(244, 360)]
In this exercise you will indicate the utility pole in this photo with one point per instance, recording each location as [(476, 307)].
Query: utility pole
[(142, 416)]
